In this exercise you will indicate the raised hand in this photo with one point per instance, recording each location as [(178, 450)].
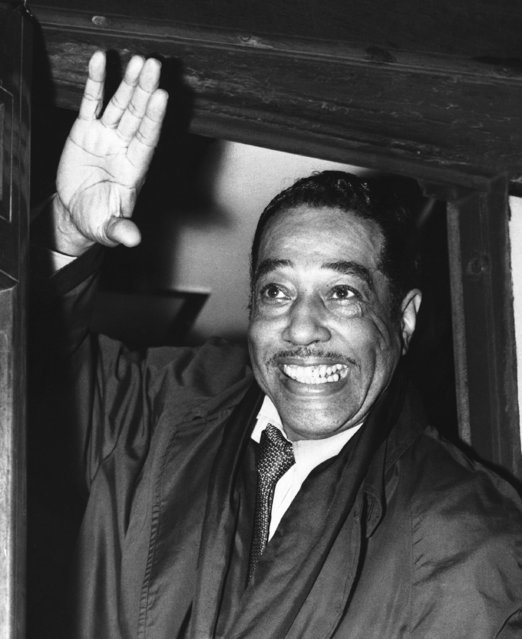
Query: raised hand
[(105, 158)]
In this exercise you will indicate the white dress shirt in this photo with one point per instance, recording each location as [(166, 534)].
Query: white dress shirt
[(308, 454)]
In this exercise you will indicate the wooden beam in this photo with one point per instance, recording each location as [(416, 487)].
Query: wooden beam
[(448, 119), (483, 325), (15, 57)]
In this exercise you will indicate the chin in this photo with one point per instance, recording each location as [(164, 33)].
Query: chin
[(310, 423), (296, 434)]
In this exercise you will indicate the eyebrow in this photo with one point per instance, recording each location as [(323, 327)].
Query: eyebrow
[(267, 266), (345, 267)]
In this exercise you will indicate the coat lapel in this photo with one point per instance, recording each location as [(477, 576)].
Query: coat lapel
[(225, 497), (304, 579)]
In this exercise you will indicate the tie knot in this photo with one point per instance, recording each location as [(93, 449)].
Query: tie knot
[(276, 454)]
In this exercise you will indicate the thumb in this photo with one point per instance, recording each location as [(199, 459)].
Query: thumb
[(121, 230)]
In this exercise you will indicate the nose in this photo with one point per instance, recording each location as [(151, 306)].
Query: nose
[(306, 323)]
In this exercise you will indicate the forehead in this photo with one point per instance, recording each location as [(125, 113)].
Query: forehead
[(306, 234)]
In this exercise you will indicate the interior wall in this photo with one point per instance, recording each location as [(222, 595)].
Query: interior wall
[(515, 231), (213, 257)]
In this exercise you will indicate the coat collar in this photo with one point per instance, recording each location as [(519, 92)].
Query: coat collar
[(408, 427), (399, 408)]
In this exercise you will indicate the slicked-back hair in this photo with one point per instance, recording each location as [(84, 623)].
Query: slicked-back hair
[(391, 202)]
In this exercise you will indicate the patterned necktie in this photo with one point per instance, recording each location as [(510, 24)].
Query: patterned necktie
[(275, 457)]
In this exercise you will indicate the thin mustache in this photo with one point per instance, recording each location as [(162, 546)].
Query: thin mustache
[(306, 353)]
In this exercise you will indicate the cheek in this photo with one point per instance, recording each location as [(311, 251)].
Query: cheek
[(266, 321), (386, 347), (385, 329), (260, 339), (388, 335), (373, 335)]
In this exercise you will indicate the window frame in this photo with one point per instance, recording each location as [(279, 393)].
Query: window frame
[(333, 101)]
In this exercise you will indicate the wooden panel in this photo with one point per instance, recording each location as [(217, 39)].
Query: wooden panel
[(470, 28), (12, 500), (483, 325), (6, 126), (2, 146), (427, 115), (14, 204)]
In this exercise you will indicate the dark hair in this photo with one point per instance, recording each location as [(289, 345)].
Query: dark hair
[(388, 201)]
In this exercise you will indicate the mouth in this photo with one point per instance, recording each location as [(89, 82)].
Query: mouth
[(315, 375)]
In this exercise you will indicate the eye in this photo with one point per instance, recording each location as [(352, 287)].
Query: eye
[(272, 292), (343, 293)]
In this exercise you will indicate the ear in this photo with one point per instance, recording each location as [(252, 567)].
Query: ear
[(409, 308)]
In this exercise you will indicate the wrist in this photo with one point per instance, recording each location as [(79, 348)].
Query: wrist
[(67, 238)]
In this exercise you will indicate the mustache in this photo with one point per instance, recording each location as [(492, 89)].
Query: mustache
[(305, 352)]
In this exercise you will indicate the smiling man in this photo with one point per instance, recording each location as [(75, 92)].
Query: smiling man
[(325, 336), (294, 491)]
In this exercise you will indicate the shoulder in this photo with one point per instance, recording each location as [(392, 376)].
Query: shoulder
[(216, 363), (466, 531), (444, 478), (191, 374)]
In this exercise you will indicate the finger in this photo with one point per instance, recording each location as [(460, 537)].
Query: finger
[(121, 99), (121, 230), (142, 146), (147, 85), (93, 94)]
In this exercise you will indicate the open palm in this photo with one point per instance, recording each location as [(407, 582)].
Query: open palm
[(105, 159)]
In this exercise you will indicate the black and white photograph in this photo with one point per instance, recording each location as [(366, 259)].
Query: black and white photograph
[(260, 319)]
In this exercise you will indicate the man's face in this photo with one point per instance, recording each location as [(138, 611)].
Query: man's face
[(323, 338)]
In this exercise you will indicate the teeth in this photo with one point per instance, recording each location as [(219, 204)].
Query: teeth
[(316, 374)]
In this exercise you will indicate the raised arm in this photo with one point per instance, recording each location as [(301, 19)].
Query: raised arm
[(106, 157)]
